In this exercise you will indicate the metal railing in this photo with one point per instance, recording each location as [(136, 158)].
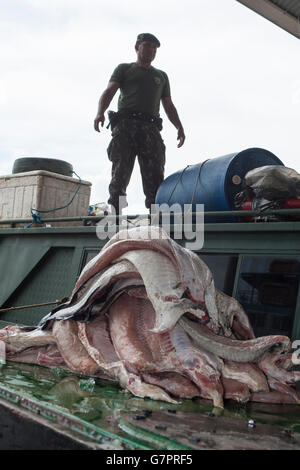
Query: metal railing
[(234, 213)]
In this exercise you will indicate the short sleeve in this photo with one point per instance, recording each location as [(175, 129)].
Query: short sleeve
[(166, 89), (118, 73)]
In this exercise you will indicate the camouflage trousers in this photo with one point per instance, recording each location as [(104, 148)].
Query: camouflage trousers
[(131, 138)]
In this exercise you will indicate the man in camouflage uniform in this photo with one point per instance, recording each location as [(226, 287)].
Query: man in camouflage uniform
[(136, 127)]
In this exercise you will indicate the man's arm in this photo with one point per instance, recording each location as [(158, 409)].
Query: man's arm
[(172, 114), (104, 102)]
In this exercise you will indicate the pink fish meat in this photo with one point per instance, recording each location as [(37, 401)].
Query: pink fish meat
[(145, 313)]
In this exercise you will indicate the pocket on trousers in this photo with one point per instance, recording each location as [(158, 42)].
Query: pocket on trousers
[(117, 145)]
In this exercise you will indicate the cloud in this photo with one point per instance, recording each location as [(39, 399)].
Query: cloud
[(233, 76)]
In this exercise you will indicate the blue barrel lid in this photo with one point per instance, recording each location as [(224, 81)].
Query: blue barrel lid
[(239, 165)]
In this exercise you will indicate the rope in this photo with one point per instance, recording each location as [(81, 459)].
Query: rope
[(197, 181), (180, 176), (37, 219), (176, 184), (9, 309), (195, 187)]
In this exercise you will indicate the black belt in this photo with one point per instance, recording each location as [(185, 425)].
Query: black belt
[(114, 118)]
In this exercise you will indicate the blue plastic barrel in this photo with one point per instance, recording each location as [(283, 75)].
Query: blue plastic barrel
[(214, 182)]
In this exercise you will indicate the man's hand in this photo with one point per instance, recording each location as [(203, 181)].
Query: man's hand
[(104, 102), (180, 137), (99, 118), (172, 114)]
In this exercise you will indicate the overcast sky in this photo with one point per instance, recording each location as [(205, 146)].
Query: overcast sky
[(235, 80)]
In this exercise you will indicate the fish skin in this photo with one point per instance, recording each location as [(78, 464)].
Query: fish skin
[(162, 282), (234, 350), (117, 246), (141, 343), (285, 361), (267, 364), (108, 276), (233, 318), (202, 367), (195, 275)]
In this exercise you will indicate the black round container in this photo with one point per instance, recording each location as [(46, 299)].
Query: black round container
[(25, 164)]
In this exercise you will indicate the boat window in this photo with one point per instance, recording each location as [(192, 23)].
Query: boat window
[(47, 281), (88, 255), (267, 289), (223, 268)]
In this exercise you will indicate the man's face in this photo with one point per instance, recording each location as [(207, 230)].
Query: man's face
[(146, 51)]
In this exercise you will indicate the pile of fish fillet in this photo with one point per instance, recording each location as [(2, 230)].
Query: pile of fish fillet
[(146, 314)]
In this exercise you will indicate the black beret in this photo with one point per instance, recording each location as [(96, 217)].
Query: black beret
[(147, 37)]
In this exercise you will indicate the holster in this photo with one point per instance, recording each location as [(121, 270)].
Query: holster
[(114, 118)]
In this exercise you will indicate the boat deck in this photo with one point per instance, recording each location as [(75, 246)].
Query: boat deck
[(61, 410)]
